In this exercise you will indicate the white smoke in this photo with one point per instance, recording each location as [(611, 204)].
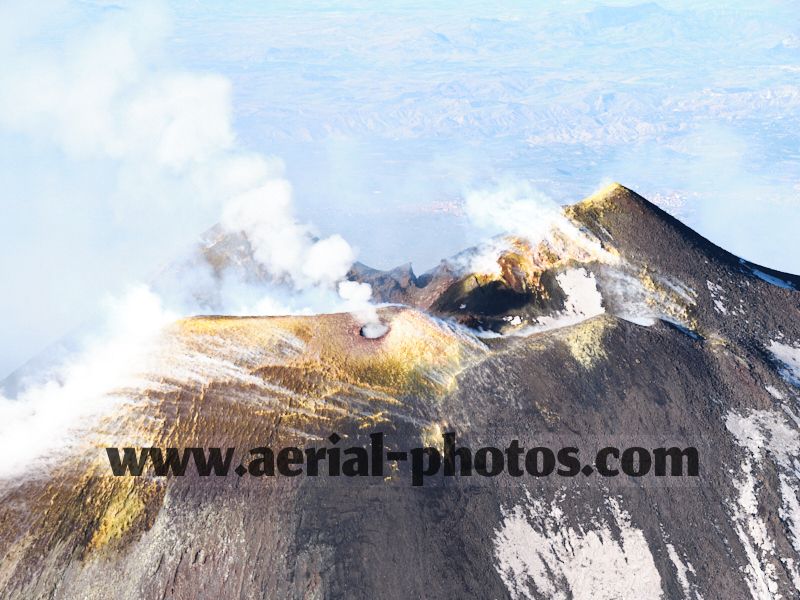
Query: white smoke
[(125, 158), (166, 133), (357, 297), (157, 146), (280, 243), (45, 416), (516, 208)]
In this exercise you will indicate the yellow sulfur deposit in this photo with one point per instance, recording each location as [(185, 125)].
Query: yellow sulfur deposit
[(585, 340)]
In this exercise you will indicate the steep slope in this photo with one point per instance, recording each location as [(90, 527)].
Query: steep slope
[(622, 328)]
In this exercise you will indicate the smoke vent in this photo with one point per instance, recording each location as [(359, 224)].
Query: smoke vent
[(373, 331)]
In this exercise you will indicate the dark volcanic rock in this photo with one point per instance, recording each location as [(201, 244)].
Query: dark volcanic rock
[(656, 338)]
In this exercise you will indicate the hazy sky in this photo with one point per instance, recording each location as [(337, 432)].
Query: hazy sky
[(118, 125)]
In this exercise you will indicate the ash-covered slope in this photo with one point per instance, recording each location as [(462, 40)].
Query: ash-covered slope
[(621, 328)]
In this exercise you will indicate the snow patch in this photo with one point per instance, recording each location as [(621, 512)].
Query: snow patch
[(629, 299), (772, 279), (790, 513), (789, 356), (718, 297), (537, 555), (583, 301), (765, 433), (774, 392), (681, 570)]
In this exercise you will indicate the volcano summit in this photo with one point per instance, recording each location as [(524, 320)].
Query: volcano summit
[(621, 327)]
